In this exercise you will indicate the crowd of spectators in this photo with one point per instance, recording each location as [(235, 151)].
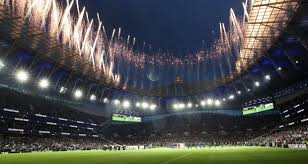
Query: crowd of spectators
[(192, 129), (280, 137), (297, 134), (34, 143)]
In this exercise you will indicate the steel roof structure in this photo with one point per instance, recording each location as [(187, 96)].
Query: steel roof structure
[(268, 19)]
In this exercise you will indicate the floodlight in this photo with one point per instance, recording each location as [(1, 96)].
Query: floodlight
[(78, 93), (62, 90), (1, 64), (217, 103), (92, 97), (248, 90), (239, 92), (144, 105), (279, 68), (189, 105), (203, 103), (224, 99), (22, 76), (105, 100), (152, 106), (126, 104), (181, 105), (175, 106), (209, 102), (257, 84), (267, 77), (44, 83), (116, 102), (231, 97)]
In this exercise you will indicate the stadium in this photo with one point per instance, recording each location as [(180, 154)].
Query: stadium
[(153, 81)]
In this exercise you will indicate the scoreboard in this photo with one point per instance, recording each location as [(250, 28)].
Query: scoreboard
[(125, 118), (258, 108)]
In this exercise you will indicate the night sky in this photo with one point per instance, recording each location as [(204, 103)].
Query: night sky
[(177, 26)]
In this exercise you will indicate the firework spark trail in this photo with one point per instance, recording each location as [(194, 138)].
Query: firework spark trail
[(114, 55), (95, 44), (246, 14)]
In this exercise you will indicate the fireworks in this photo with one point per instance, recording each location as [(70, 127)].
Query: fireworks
[(70, 25)]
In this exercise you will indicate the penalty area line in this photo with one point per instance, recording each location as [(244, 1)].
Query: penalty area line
[(173, 159)]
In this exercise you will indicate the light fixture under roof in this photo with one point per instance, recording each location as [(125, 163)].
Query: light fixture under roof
[(1, 64), (152, 107), (209, 102), (78, 93), (144, 105), (267, 77), (22, 76), (231, 97), (126, 104), (44, 83), (116, 102), (202, 103), (189, 105), (217, 103), (92, 97), (257, 84)]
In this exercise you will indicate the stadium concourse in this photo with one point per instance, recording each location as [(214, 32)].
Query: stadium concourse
[(75, 89)]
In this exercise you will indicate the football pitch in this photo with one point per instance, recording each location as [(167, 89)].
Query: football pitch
[(232, 155)]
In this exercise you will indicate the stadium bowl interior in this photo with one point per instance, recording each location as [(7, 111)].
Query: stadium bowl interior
[(153, 81)]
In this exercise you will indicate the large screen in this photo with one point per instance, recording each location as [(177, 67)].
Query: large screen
[(258, 108), (124, 118)]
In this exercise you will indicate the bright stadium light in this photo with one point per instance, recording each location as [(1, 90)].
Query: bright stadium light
[(203, 103), (181, 105), (78, 93), (92, 97), (116, 102), (248, 90), (209, 102), (189, 105), (126, 104), (279, 68), (44, 83), (239, 92), (231, 97), (138, 104), (267, 77), (257, 84), (152, 107), (144, 105), (175, 106), (22, 76), (224, 99), (296, 61), (105, 100), (62, 90), (1, 64), (217, 103)]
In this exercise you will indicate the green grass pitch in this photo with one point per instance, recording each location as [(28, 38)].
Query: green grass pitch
[(232, 155)]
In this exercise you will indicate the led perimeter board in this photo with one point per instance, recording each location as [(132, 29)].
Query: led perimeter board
[(124, 118), (258, 108)]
